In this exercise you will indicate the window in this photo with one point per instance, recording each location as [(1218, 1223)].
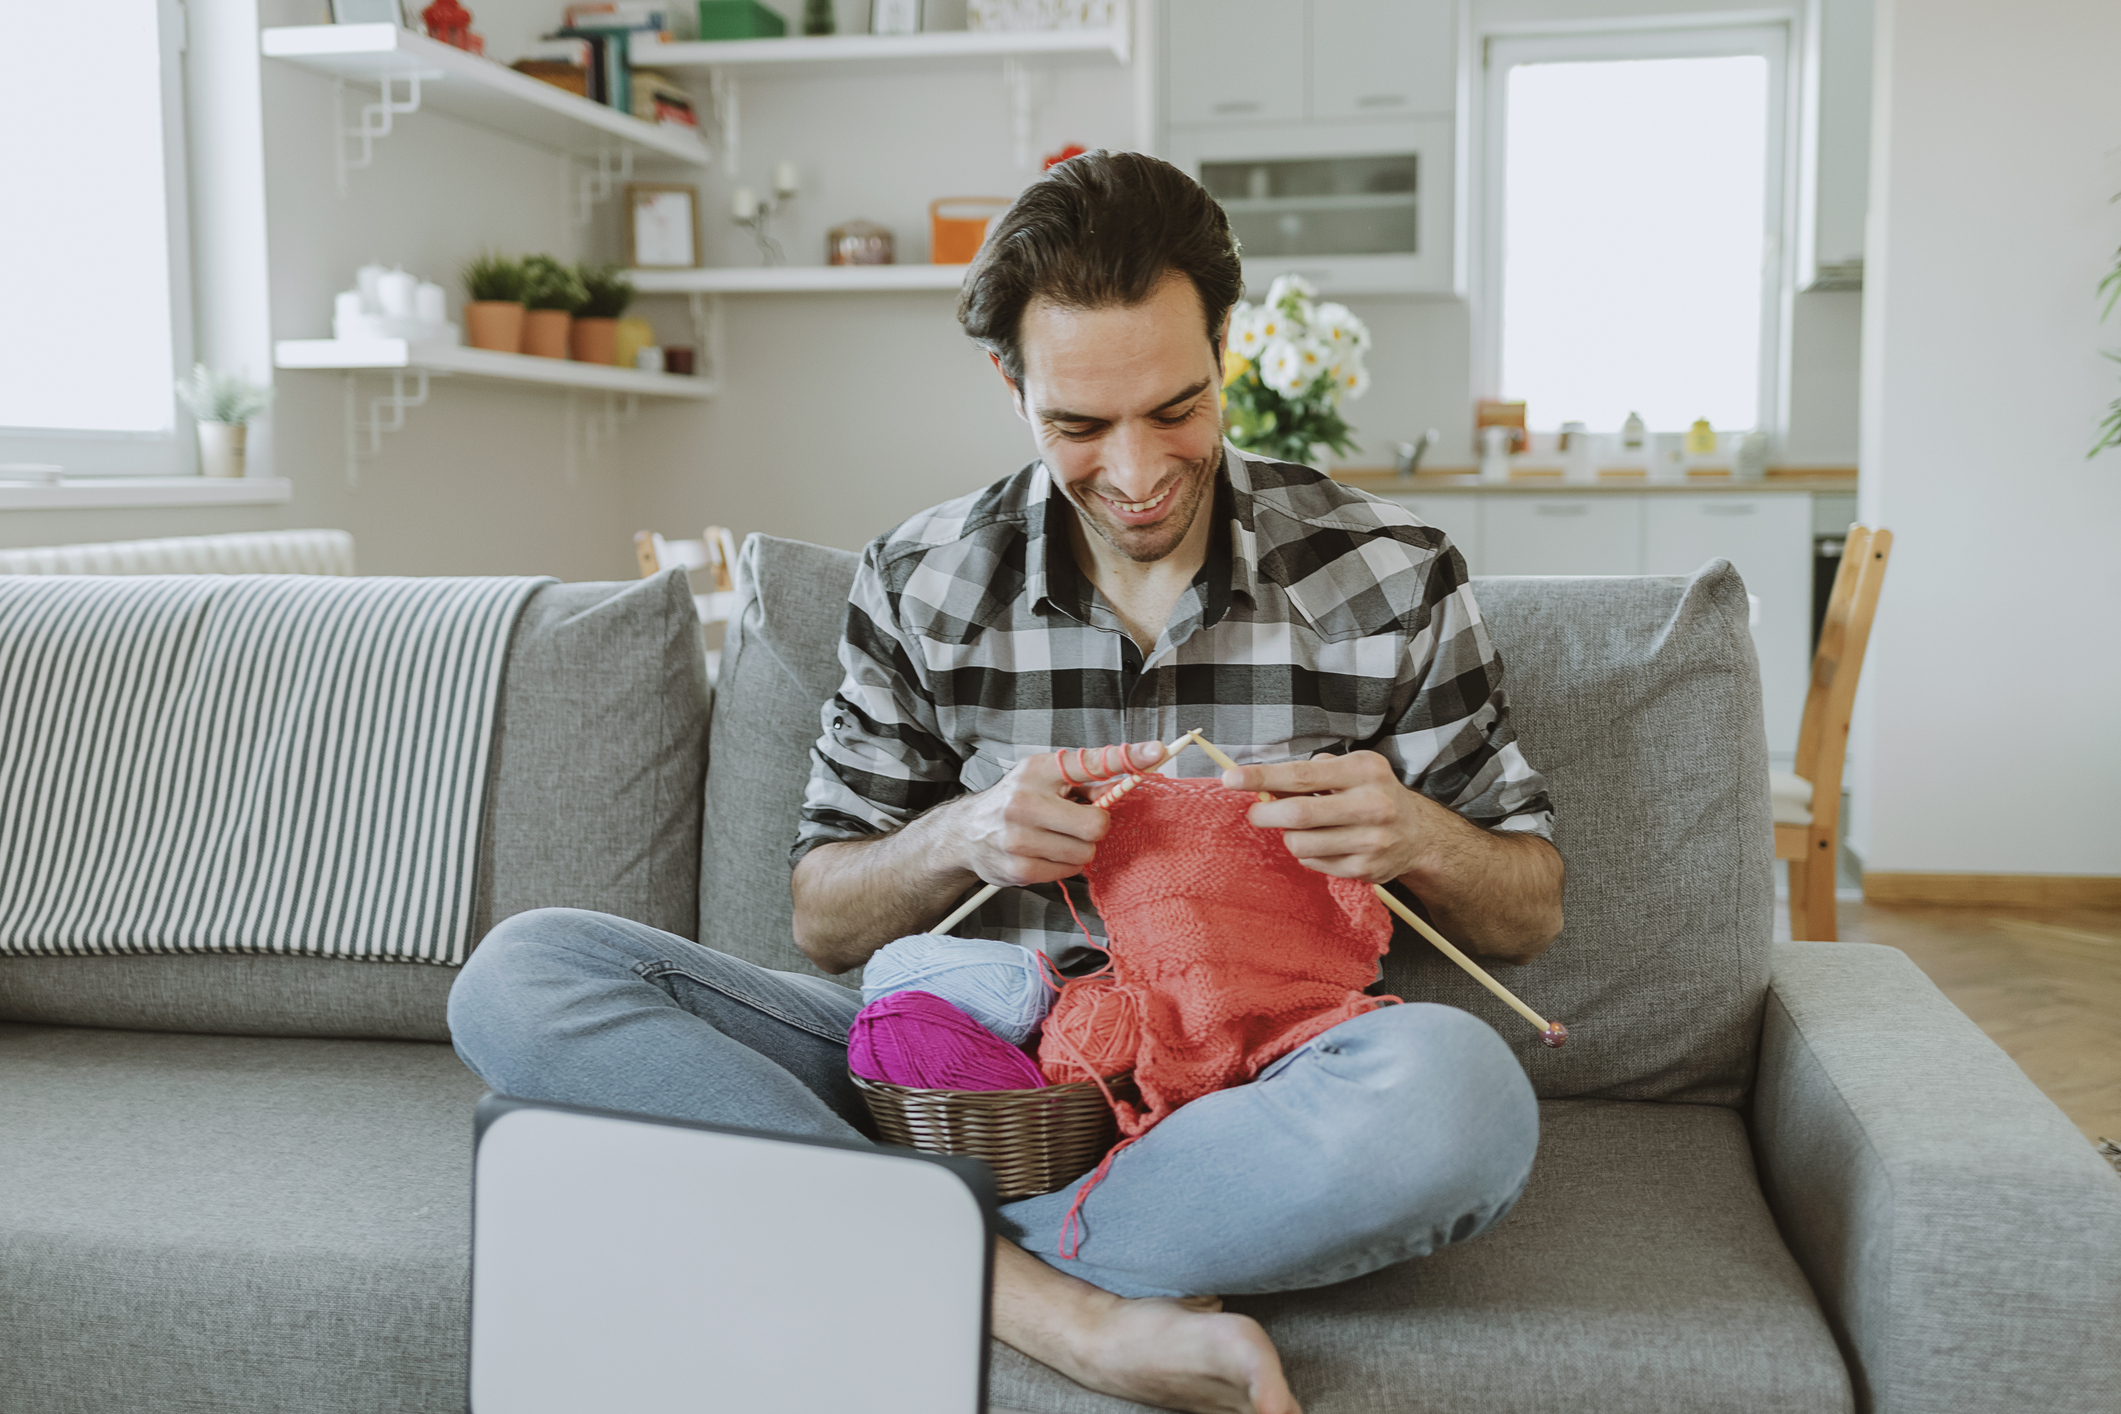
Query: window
[(98, 310), (1633, 211)]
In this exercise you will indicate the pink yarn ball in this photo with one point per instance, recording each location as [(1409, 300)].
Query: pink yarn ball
[(918, 1040)]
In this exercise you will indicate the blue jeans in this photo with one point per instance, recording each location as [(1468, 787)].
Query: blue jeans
[(1385, 1138)]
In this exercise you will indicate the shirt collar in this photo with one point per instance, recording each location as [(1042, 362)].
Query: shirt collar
[(1052, 578)]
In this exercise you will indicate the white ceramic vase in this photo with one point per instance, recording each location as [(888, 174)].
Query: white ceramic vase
[(221, 448)]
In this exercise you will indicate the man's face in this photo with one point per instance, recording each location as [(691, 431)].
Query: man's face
[(1122, 403)]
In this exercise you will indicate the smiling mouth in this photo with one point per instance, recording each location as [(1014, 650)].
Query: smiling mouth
[(1136, 508)]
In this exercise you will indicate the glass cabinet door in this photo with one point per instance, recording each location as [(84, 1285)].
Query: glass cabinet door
[(1367, 205)]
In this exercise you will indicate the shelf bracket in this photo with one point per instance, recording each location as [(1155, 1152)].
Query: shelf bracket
[(1025, 83), (707, 335), (722, 106), (376, 119), (596, 186), (376, 423), (591, 433)]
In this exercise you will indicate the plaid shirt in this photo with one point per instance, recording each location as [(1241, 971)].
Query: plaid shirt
[(1324, 619)]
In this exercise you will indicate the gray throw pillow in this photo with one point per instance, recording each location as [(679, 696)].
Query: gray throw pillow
[(592, 801)]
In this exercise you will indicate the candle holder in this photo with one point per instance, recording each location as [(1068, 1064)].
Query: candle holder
[(756, 215)]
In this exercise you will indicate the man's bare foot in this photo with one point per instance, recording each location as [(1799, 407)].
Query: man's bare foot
[(1187, 1354)]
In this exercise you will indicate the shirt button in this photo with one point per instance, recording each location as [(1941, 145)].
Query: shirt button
[(838, 723)]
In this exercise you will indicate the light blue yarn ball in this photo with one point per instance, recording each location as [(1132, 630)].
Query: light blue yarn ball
[(999, 985)]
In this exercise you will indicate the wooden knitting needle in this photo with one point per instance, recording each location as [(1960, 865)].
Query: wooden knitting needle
[(1553, 1033), (1128, 783)]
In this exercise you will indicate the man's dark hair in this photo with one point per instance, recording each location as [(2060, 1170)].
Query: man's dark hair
[(1096, 231)]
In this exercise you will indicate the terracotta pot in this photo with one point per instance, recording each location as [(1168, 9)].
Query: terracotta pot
[(545, 332), (495, 324), (221, 448), (595, 341)]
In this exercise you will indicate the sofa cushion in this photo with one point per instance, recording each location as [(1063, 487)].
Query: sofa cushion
[(1639, 699), (592, 801), (780, 661), (243, 1225), (1640, 1271)]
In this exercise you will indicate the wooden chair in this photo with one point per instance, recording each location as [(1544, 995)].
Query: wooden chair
[(1807, 802), (713, 556)]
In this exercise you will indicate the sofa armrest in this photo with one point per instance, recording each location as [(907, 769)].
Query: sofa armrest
[(1963, 1237)]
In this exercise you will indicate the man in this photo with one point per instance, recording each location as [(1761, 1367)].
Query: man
[(1138, 579)]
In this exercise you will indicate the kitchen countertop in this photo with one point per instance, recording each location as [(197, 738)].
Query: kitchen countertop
[(1383, 481)]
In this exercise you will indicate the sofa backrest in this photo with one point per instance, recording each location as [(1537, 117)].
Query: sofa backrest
[(592, 801), (1639, 698)]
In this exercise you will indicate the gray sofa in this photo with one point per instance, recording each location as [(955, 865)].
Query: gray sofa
[(1772, 1176)]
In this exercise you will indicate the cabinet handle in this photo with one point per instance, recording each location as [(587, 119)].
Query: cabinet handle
[(1726, 508), (1560, 508), (1381, 100), (1237, 106)]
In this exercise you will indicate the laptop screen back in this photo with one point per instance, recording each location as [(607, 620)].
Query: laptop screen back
[(624, 1263)]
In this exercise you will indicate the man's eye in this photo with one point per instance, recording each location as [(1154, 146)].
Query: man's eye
[(1175, 419)]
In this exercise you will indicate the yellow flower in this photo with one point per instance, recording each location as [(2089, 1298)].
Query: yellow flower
[(1234, 366)]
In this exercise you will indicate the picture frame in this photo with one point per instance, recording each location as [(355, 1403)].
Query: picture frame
[(663, 226)]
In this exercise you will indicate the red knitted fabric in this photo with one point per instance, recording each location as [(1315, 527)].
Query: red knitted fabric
[(1226, 953)]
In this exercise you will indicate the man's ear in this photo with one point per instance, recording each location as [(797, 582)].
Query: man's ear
[(1016, 394)]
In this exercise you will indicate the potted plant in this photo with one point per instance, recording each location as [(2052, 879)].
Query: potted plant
[(1288, 365), (552, 292), (222, 405), (493, 313), (596, 323)]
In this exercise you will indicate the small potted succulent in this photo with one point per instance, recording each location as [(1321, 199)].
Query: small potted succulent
[(493, 311), (223, 405), (596, 324), (552, 292)]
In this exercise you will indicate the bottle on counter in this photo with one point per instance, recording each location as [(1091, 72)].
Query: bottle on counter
[(1633, 433), (1701, 439)]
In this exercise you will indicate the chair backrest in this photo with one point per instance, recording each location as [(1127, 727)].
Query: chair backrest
[(713, 554), (1639, 698), (251, 552), (1837, 664)]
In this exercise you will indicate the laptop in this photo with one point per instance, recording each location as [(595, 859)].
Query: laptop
[(639, 1265)]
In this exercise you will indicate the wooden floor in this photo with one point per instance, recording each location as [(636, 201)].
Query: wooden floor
[(2045, 985)]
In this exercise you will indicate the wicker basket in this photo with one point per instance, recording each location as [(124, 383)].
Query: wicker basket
[(1034, 1140)]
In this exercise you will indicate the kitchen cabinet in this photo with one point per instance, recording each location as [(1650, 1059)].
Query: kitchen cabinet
[(1236, 61), (1606, 530), (1561, 535), (1382, 58)]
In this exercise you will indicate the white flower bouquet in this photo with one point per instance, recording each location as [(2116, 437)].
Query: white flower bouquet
[(1288, 364)]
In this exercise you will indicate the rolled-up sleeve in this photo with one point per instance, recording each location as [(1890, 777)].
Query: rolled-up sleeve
[(1453, 716), (880, 759)]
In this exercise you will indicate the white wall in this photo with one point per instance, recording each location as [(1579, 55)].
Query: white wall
[(1988, 742)]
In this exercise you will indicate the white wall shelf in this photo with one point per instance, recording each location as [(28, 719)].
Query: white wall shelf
[(797, 279), (812, 54), (353, 355), (81, 493), (477, 90)]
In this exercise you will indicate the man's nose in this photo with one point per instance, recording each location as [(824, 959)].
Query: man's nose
[(1134, 461)]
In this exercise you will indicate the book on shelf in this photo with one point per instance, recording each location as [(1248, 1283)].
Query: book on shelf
[(657, 99), (572, 78)]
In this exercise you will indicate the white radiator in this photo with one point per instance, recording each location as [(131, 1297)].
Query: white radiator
[(255, 552)]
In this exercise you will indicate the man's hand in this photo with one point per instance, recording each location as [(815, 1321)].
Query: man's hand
[(1350, 817), (1033, 826), (1030, 827)]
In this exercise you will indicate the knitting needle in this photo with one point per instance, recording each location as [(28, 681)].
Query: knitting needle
[(1132, 780), (1553, 1033)]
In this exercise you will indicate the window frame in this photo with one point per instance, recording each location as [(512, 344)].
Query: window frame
[(1771, 36), (92, 452)]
